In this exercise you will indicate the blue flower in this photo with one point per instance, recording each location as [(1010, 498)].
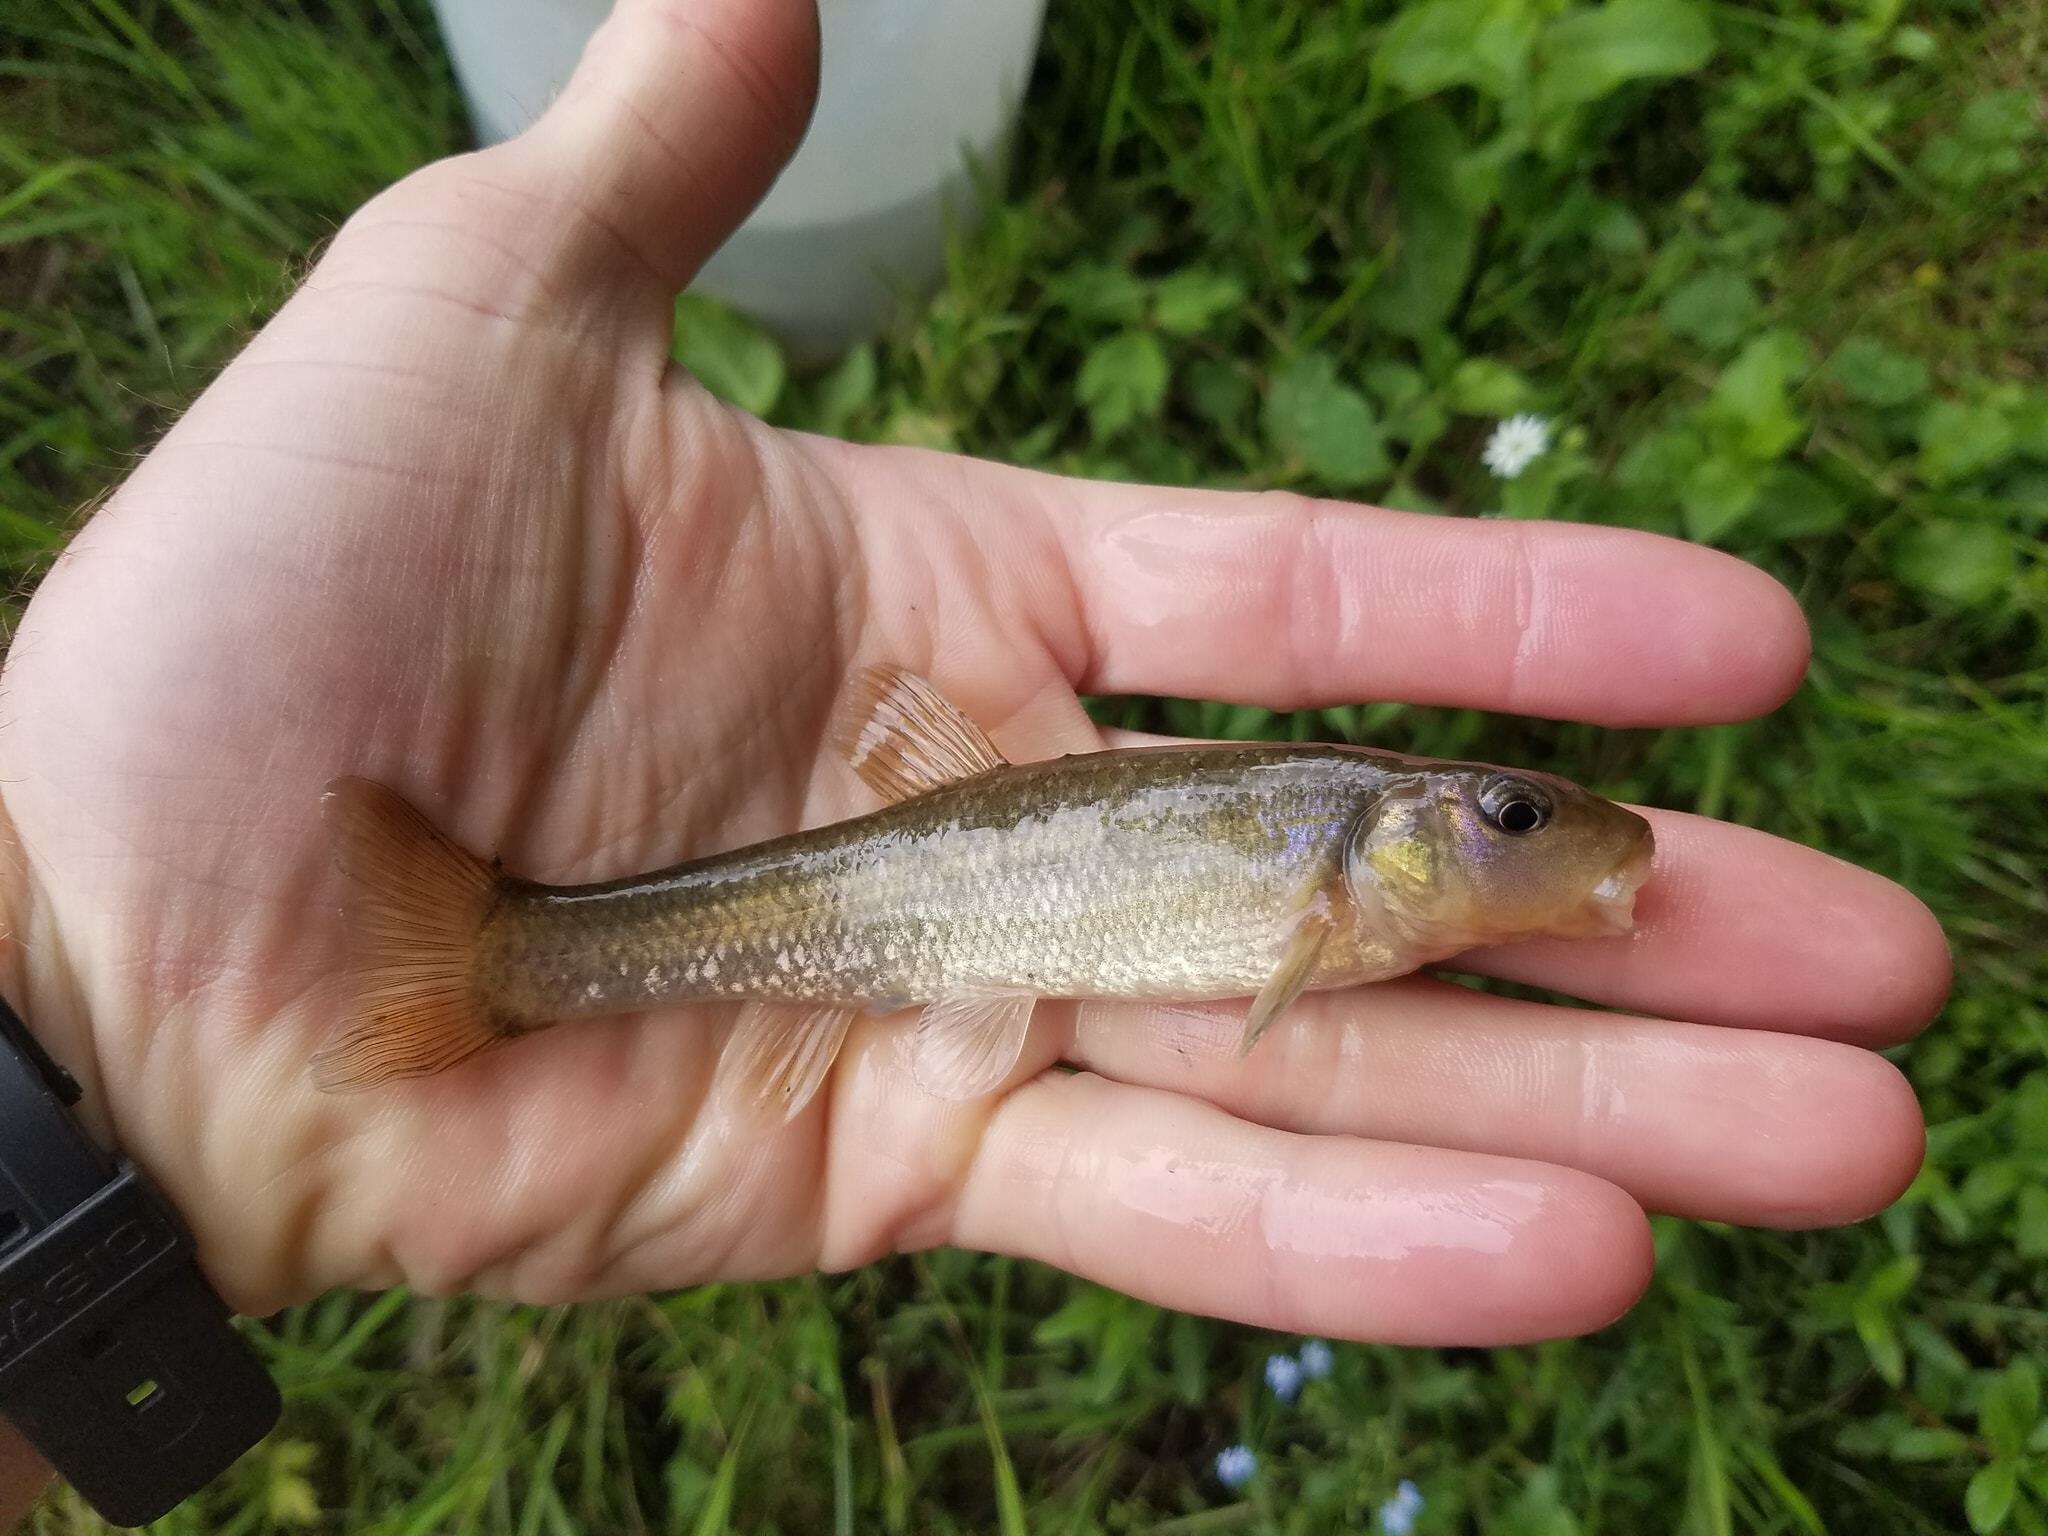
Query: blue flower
[(1235, 1466), (1283, 1375), (1316, 1360), (1397, 1515)]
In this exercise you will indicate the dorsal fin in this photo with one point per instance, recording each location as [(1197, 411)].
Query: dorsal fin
[(904, 739)]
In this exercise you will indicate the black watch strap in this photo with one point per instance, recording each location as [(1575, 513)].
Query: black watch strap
[(117, 1360)]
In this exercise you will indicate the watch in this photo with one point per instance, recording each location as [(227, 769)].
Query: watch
[(118, 1361)]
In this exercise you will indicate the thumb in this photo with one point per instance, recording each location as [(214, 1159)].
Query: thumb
[(675, 123)]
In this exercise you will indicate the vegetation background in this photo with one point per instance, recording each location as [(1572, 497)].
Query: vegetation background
[(1778, 269)]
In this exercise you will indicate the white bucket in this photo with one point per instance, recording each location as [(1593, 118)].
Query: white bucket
[(911, 95)]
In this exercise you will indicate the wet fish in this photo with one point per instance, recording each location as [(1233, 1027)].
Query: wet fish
[(1168, 873)]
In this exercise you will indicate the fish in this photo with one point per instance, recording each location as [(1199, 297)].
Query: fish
[(1183, 872)]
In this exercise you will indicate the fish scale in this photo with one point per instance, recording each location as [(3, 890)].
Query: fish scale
[(1154, 872)]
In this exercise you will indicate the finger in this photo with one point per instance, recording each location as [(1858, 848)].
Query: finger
[(1725, 1125), (1737, 927), (677, 119), (1179, 1203), (1287, 601)]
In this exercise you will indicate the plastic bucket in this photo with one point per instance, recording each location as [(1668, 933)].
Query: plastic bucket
[(912, 94)]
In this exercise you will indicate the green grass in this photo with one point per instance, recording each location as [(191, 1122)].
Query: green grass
[(1786, 290)]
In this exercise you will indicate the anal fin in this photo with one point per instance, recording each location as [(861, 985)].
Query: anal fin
[(968, 1044), (904, 739), (779, 1054)]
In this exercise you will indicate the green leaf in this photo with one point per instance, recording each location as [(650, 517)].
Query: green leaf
[(1441, 1390), (2030, 1223), (1325, 426), (292, 1499), (1085, 1318), (1098, 290), (1219, 391), (1891, 1282), (1539, 1511), (1418, 423), (1717, 495), (2008, 117), (1968, 564), (1868, 1436), (714, 1517), (1918, 1443), (1752, 400), (1442, 43), (2010, 1408), (1988, 1499), (1657, 465), (1394, 384), (2030, 1112), (1715, 309), (2029, 418), (1959, 439), (1587, 54), (1991, 1185), (1410, 413), (1010, 1516), (1780, 1486), (1915, 43), (848, 387), (913, 427), (1187, 1349), (1189, 301), (1482, 387), (1796, 503), (1439, 227), (1122, 381), (1990, 141), (1872, 373), (1616, 229), (730, 355), (1880, 1339)]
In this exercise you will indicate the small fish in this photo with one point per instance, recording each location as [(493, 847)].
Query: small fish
[(1166, 873)]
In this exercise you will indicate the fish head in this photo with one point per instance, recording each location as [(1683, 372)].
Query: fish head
[(1464, 854)]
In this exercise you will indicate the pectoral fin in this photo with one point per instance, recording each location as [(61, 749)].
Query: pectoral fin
[(778, 1055), (967, 1045), (1311, 929), (1308, 927), (903, 738)]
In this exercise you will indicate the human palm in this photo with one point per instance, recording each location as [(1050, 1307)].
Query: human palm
[(451, 522)]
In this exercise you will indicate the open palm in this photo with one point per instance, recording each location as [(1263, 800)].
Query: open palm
[(451, 522)]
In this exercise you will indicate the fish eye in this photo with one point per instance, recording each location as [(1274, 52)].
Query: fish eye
[(1515, 806)]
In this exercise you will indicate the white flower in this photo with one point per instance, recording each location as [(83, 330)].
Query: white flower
[(1516, 443)]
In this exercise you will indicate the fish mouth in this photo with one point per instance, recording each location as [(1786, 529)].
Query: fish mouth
[(1611, 906)]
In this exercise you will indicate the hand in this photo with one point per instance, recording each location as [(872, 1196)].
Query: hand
[(451, 522)]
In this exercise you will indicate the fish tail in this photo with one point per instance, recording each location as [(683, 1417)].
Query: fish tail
[(414, 916)]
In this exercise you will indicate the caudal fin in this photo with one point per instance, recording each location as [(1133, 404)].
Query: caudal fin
[(414, 914)]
